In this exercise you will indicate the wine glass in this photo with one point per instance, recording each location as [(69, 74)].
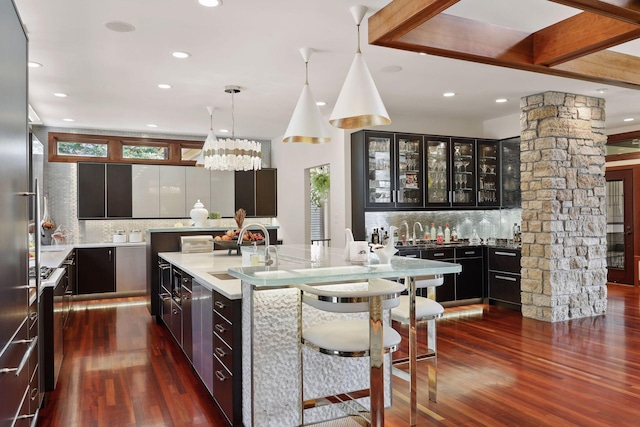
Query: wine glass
[(465, 164), (464, 181)]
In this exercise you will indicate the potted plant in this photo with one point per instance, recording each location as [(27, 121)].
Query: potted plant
[(320, 186), (214, 219)]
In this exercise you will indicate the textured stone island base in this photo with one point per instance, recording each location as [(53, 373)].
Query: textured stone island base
[(271, 362)]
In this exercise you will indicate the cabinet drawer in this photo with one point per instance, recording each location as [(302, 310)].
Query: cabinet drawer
[(223, 329), (469, 252), (223, 352), (223, 388), (504, 286), (445, 253), (504, 260), (223, 306)]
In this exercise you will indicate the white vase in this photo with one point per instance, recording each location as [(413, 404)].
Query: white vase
[(199, 214)]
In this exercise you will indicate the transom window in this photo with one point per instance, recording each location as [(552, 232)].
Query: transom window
[(65, 147)]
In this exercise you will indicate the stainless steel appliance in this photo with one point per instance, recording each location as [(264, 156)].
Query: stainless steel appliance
[(69, 288)]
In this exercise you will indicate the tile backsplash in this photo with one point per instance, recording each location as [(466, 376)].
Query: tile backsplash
[(60, 187)]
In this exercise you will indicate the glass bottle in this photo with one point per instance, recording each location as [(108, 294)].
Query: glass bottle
[(433, 231), (474, 239), (447, 234), (440, 235), (454, 235)]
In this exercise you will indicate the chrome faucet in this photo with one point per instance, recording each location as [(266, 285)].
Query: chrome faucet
[(414, 231), (406, 226), (267, 257)]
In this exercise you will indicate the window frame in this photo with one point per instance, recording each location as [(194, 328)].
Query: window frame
[(114, 148)]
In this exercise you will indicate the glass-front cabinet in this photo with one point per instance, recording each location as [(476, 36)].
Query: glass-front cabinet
[(510, 170), (463, 184), (394, 170), (438, 171), (488, 173)]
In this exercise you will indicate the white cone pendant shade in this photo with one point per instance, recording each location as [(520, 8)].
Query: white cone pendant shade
[(306, 124), (359, 103)]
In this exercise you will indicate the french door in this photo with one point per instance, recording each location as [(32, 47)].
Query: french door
[(620, 226)]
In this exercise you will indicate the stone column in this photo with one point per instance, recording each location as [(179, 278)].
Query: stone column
[(564, 271)]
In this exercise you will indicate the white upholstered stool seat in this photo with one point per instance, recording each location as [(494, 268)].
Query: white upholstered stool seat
[(426, 309), (347, 336), (354, 337)]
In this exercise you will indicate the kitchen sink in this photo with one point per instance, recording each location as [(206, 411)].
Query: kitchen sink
[(221, 275)]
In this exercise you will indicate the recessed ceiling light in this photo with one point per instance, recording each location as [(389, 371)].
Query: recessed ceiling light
[(391, 69), (181, 55), (210, 3), (423, 53), (224, 130), (629, 119), (151, 125), (501, 100), (60, 95), (321, 103), (601, 90), (33, 64), (120, 27), (68, 120), (164, 86), (449, 94)]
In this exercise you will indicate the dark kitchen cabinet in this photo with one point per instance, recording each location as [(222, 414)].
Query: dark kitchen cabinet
[(227, 360), (511, 195), (504, 277), (466, 285), (104, 190), (52, 318), (256, 192), (489, 182), (96, 270), (187, 321), (446, 291)]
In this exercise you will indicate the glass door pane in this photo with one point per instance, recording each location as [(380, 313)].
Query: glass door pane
[(437, 163), (464, 176), (620, 241), (488, 174), (380, 178), (409, 182)]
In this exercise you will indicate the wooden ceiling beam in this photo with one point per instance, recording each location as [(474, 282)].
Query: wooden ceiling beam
[(623, 10), (401, 16), (578, 36)]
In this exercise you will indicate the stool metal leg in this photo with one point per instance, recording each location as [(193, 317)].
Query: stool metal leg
[(433, 363), (376, 361), (413, 350)]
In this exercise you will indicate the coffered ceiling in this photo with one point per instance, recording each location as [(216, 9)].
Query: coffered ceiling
[(111, 78)]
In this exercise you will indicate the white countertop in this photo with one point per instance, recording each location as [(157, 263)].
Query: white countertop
[(193, 228), (200, 265)]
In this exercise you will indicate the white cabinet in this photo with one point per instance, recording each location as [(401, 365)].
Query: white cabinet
[(198, 187), (131, 268), (172, 192), (223, 193), (145, 181)]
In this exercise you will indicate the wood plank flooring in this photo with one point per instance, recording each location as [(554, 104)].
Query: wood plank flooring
[(495, 368)]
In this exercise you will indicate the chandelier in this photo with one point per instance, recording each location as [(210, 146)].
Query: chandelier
[(231, 154)]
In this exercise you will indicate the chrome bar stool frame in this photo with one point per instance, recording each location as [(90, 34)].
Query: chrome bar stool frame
[(382, 295), (430, 312)]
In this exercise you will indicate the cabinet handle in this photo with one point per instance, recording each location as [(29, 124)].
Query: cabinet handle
[(25, 358), (34, 393), (221, 376), (220, 352), (411, 256), (220, 328), (505, 253), (438, 254), (219, 304), (511, 279), (109, 255), (470, 252)]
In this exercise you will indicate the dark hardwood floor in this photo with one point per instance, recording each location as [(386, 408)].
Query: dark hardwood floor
[(495, 368)]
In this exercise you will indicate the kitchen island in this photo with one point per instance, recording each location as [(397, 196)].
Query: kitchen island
[(270, 335)]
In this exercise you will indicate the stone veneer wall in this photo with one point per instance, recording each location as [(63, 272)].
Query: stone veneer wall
[(564, 270)]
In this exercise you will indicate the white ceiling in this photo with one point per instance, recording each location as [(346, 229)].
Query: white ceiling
[(111, 78)]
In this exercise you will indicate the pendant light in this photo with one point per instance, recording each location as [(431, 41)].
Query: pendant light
[(208, 143), (233, 154), (306, 124), (359, 104)]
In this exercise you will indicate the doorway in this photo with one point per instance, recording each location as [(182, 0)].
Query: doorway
[(620, 242), (317, 216)]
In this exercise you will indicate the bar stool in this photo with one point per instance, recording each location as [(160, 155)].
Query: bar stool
[(355, 337), (424, 310)]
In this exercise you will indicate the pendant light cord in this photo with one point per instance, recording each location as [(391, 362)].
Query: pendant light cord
[(233, 121), (358, 51), (306, 71)]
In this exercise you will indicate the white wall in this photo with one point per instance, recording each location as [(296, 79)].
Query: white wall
[(502, 127)]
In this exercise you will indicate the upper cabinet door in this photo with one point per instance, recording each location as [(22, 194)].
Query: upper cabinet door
[(118, 190), (172, 192), (488, 173), (223, 193), (380, 170), (198, 187), (145, 191), (438, 170), (409, 178), (91, 190), (464, 172), (510, 168), (266, 192)]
